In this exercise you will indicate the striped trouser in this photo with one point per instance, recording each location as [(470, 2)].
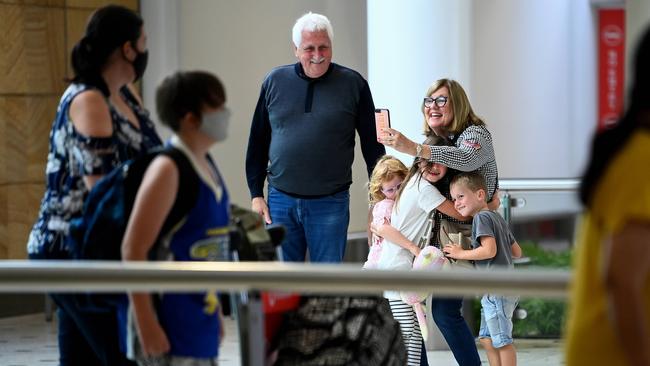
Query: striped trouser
[(405, 316)]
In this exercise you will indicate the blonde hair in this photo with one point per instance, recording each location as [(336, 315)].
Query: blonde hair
[(463, 113), (473, 181), (387, 168)]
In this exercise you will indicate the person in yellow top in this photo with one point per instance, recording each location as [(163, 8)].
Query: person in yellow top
[(609, 312)]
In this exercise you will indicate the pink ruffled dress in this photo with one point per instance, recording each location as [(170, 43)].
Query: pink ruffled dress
[(380, 213)]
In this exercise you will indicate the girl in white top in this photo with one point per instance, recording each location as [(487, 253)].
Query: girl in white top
[(408, 232)]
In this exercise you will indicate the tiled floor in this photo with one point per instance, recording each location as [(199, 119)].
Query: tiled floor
[(31, 341), (28, 341)]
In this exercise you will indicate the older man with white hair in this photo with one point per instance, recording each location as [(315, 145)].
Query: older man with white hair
[(302, 140)]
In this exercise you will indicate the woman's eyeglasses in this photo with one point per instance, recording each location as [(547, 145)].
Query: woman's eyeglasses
[(440, 101), (392, 189)]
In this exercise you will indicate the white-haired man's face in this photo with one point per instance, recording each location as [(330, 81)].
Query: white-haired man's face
[(314, 53)]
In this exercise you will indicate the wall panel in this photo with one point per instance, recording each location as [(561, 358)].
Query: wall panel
[(4, 222), (55, 3), (33, 59), (93, 4), (24, 128), (74, 29), (21, 202)]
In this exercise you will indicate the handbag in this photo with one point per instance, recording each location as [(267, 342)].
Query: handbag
[(457, 234)]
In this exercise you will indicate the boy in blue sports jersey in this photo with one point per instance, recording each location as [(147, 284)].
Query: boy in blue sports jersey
[(181, 328)]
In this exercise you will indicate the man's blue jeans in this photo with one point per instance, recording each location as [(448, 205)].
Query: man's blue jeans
[(319, 225), (449, 319)]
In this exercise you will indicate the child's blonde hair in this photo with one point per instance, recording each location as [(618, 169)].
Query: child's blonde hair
[(387, 168)]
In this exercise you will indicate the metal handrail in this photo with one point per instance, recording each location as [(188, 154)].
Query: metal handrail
[(532, 185), (105, 276), (41, 276), (539, 184)]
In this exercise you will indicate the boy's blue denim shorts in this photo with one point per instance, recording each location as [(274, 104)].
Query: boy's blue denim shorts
[(496, 318)]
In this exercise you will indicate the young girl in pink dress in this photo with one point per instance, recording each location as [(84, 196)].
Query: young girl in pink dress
[(384, 183)]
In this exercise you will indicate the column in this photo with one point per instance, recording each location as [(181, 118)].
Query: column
[(410, 45), (162, 26)]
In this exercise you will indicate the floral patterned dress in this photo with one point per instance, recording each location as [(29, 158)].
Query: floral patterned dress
[(72, 156)]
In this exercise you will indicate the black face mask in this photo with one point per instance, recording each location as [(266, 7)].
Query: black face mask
[(140, 63)]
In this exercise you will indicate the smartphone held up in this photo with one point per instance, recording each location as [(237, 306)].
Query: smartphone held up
[(382, 121)]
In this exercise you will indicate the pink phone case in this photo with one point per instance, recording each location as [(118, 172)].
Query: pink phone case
[(382, 120)]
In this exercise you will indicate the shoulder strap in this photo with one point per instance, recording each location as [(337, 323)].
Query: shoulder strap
[(129, 96), (427, 238), (188, 187)]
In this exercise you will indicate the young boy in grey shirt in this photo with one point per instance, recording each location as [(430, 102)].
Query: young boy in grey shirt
[(493, 245)]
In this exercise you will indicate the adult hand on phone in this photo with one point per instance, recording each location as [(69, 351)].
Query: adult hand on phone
[(396, 140), (259, 205)]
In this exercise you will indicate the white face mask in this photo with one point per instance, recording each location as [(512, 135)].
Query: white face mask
[(215, 124)]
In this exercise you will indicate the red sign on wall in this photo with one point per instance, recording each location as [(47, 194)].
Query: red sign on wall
[(611, 65)]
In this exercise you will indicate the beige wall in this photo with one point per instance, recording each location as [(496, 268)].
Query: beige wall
[(35, 38)]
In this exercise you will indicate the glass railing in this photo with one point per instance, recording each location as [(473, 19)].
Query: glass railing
[(543, 215)]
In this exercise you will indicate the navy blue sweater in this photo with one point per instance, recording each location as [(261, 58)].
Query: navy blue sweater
[(303, 131)]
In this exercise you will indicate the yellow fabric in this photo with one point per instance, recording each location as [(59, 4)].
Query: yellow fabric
[(623, 194)]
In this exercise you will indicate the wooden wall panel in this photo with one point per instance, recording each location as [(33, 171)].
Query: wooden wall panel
[(4, 223), (75, 26), (20, 204), (25, 124), (4, 156), (24, 128), (55, 3), (33, 58), (94, 4)]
